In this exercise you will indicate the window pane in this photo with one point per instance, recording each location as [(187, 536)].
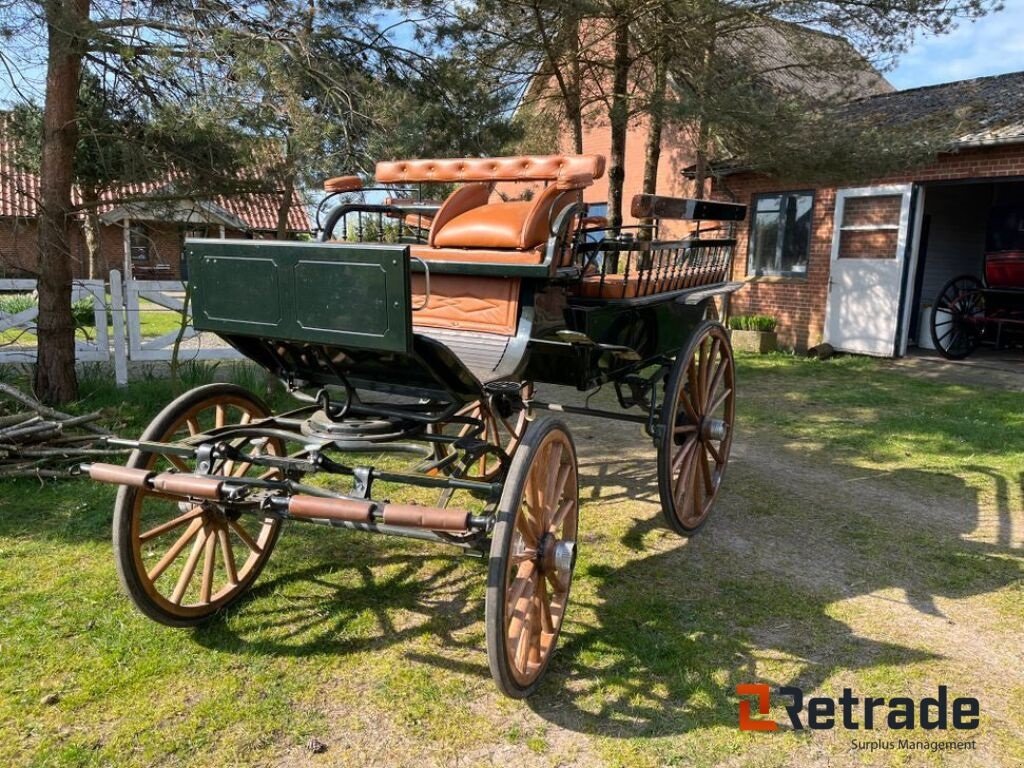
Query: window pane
[(768, 203), (796, 238), (764, 243)]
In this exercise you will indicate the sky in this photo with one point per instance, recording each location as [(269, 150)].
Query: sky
[(991, 46)]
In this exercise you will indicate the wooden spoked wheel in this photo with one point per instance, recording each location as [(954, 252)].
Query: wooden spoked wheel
[(498, 431), (533, 555), (955, 330), (698, 418), (181, 562)]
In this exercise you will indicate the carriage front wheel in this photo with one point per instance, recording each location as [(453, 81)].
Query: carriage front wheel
[(533, 554), (181, 562), (697, 421)]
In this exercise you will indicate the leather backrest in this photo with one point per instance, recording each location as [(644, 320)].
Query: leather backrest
[(461, 200), (518, 168), (519, 225)]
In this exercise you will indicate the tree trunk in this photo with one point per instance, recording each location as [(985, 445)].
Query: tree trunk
[(652, 152), (574, 96), (285, 205), (700, 176), (55, 379), (619, 119)]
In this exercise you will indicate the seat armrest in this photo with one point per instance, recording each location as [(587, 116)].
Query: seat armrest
[(568, 181), (343, 184)]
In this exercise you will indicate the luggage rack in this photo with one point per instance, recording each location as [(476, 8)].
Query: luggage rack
[(625, 268)]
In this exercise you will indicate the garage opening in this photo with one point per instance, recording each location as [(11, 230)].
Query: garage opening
[(956, 230)]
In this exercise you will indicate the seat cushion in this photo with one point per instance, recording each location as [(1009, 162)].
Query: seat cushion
[(496, 225), (477, 255), (521, 224)]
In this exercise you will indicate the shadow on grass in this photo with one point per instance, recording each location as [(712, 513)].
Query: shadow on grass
[(656, 647)]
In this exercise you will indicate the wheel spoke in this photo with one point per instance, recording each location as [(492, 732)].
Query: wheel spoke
[(189, 569), (697, 499), (716, 382), (691, 414), (228, 553), (705, 470), (708, 363), (680, 457), (702, 363), (523, 527), (719, 459), (245, 466), (553, 466), (171, 554), (209, 564), (684, 478), (178, 462), (244, 536), (219, 416), (547, 623), (719, 400), (152, 533), (193, 426), (566, 507)]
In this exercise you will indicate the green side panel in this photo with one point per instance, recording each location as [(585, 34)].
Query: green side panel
[(354, 296)]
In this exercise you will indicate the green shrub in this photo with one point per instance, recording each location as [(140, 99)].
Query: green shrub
[(763, 323), (81, 310), (13, 303), (83, 313)]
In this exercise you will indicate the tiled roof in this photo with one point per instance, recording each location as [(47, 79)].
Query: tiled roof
[(985, 110), (19, 192), (18, 189)]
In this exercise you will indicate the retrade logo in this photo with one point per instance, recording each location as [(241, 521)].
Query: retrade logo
[(763, 694), (854, 712)]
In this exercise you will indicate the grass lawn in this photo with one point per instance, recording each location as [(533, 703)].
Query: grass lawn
[(869, 535)]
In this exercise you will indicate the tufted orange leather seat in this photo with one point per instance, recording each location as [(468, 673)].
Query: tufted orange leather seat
[(470, 228)]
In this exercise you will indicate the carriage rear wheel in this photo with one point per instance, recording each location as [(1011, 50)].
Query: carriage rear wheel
[(698, 419), (958, 307), (181, 562), (533, 554)]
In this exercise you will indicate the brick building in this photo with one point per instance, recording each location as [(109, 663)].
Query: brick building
[(858, 266), (786, 56), (142, 238)]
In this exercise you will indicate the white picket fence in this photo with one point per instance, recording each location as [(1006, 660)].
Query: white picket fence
[(122, 305)]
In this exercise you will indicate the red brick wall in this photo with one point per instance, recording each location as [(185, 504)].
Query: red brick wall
[(799, 302), (18, 247)]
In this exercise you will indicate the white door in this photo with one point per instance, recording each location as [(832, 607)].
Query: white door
[(869, 245)]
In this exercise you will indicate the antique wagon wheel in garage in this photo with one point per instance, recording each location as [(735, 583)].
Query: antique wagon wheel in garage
[(955, 314), (533, 555), (182, 561), (697, 421)]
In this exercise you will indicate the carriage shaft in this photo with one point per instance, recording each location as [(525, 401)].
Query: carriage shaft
[(298, 506), (306, 507)]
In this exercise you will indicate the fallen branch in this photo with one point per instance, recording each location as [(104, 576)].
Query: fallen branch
[(43, 442)]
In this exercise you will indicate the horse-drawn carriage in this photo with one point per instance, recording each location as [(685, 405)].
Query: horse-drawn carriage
[(417, 329), (969, 312)]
